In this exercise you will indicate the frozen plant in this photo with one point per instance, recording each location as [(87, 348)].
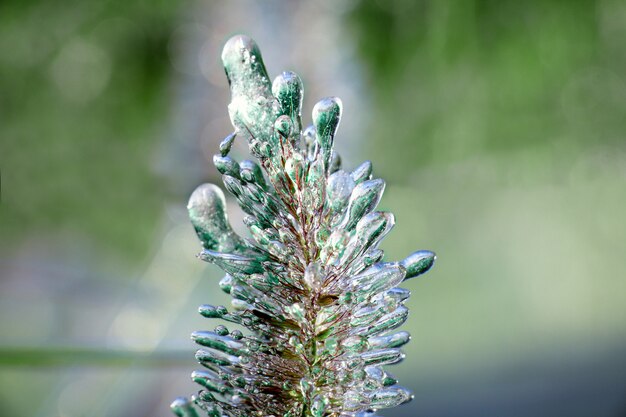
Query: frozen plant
[(318, 305)]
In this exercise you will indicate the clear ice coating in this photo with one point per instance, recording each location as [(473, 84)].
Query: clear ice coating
[(318, 304)]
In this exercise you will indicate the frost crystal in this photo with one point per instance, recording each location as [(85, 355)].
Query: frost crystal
[(317, 303)]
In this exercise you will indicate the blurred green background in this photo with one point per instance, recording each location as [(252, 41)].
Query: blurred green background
[(498, 125)]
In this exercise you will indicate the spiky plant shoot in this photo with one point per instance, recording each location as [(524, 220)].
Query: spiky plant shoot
[(319, 305)]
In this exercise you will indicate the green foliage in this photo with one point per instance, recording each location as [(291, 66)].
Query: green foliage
[(456, 79), (82, 86)]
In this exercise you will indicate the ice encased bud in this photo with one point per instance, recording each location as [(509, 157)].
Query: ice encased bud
[(207, 211), (288, 90), (253, 109), (326, 118), (309, 286), (418, 263)]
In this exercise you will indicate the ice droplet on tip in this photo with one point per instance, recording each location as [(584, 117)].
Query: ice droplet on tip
[(338, 190), (182, 407), (251, 172), (382, 357), (362, 172), (253, 109), (418, 263), (244, 66), (227, 143), (364, 198), (394, 340), (213, 340), (226, 165), (326, 118), (288, 90), (207, 211)]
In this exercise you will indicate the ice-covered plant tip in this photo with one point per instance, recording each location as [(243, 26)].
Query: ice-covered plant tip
[(309, 287)]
